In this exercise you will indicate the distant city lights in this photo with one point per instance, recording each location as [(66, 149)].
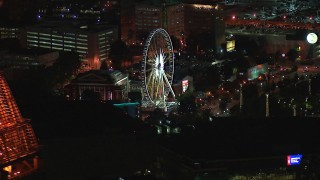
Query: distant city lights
[(201, 6)]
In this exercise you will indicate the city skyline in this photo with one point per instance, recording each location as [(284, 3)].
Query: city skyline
[(190, 89)]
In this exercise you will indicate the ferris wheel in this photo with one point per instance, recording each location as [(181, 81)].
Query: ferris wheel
[(157, 69)]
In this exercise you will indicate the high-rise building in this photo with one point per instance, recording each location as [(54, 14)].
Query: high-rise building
[(184, 19), (94, 11), (91, 42), (18, 11), (179, 19), (138, 21)]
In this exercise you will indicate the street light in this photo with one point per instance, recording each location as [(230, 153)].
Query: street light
[(241, 97), (267, 105), (310, 87)]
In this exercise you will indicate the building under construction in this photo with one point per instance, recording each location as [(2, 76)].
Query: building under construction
[(18, 143)]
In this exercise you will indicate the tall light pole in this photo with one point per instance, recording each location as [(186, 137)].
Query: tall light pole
[(294, 107), (241, 98), (267, 105), (310, 87)]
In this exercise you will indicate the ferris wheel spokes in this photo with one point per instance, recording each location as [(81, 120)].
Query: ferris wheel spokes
[(158, 69)]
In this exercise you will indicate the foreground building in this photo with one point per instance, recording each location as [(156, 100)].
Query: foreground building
[(91, 42), (18, 143), (236, 148)]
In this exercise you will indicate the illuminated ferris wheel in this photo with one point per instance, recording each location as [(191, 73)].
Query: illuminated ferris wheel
[(157, 69)]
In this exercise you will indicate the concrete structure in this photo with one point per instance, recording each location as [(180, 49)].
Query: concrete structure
[(108, 85), (91, 42)]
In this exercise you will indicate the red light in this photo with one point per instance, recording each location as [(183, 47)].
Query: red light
[(288, 160), (233, 17), (284, 17)]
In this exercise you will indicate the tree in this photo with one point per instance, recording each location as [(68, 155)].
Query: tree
[(130, 34), (118, 53), (142, 35), (223, 104), (104, 65), (63, 70), (187, 103), (192, 42), (292, 55), (175, 43)]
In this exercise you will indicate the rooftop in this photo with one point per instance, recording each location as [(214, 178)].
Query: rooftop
[(100, 76), (73, 26)]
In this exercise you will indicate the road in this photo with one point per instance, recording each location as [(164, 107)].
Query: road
[(278, 24)]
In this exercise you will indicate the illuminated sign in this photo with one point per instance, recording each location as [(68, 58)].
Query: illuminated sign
[(312, 38), (185, 85), (294, 159), (231, 45)]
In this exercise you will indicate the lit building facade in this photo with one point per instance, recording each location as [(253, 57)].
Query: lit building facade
[(108, 85), (9, 32), (93, 11), (138, 21), (184, 19), (92, 43), (179, 19)]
